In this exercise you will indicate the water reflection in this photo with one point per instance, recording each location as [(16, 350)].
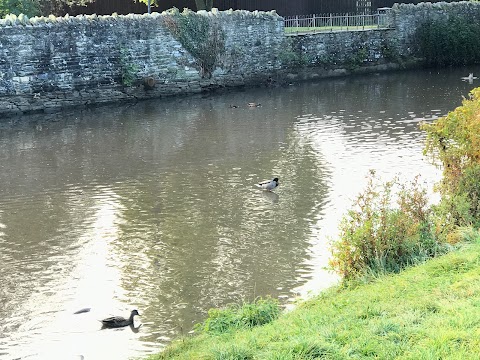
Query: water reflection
[(270, 196), (153, 206)]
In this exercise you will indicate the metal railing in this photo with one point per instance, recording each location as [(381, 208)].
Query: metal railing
[(334, 22)]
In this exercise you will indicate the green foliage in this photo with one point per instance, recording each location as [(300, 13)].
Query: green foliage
[(259, 312), (152, 2), (460, 207), (59, 7), (200, 35), (469, 185), (454, 42), (292, 55), (312, 349), (390, 51), (377, 238), (32, 8), (27, 7), (289, 55), (357, 58), (200, 4), (453, 140), (453, 143), (129, 70), (468, 234), (232, 352)]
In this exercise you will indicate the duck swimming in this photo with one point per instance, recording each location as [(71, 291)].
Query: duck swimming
[(469, 78), (268, 185), (119, 321)]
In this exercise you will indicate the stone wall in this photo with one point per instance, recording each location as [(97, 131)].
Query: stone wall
[(52, 63), (340, 53), (406, 18)]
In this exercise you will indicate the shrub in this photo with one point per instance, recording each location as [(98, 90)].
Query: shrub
[(451, 42), (377, 237), (460, 207), (259, 312), (453, 142), (128, 69)]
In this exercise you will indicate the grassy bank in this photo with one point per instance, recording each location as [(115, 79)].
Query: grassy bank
[(431, 311)]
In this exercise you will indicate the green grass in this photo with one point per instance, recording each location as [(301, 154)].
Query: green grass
[(431, 311), (248, 315)]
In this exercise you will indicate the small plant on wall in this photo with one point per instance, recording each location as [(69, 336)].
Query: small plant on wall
[(389, 50), (200, 36), (128, 68), (292, 55)]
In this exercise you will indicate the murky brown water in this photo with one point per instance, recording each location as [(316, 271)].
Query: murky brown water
[(153, 207)]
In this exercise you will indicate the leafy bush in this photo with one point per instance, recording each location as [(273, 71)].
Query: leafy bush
[(451, 42), (376, 237), (259, 312), (461, 207), (469, 186), (453, 142)]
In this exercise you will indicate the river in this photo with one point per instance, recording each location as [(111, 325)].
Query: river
[(152, 206)]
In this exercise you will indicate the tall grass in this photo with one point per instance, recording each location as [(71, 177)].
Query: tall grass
[(234, 317), (389, 227)]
